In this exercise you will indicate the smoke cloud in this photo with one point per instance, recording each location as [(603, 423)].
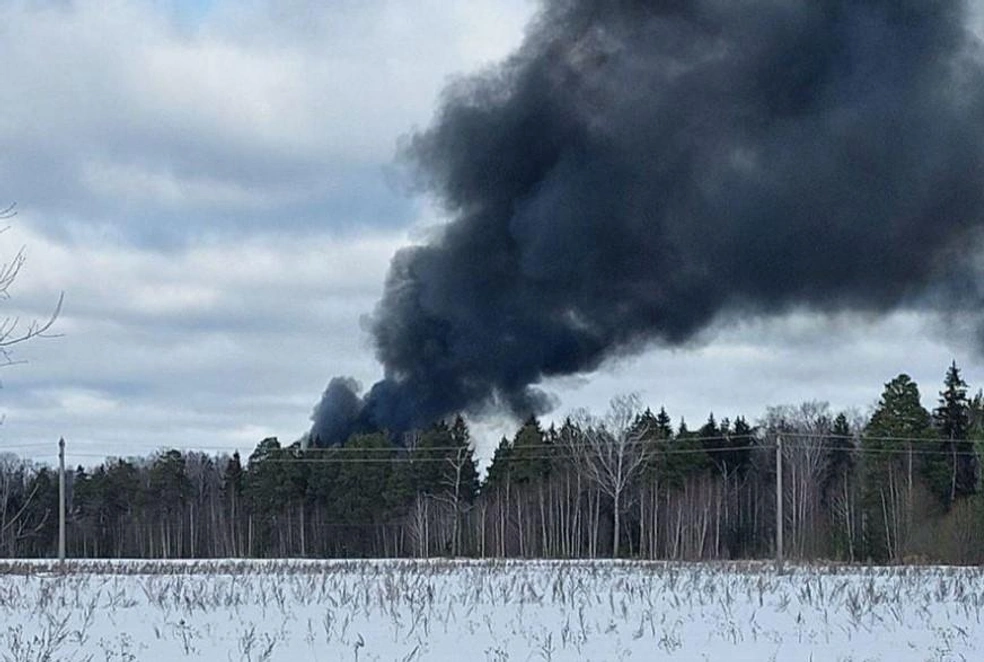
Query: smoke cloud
[(639, 169)]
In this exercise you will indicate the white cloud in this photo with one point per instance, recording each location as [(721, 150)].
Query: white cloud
[(80, 402), (139, 186), (111, 112), (189, 347), (740, 369)]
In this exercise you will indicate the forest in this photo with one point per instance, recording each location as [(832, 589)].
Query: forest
[(901, 484)]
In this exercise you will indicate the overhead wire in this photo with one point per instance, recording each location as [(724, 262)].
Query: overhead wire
[(668, 442), (569, 450)]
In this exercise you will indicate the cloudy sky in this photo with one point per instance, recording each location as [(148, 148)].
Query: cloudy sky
[(213, 186)]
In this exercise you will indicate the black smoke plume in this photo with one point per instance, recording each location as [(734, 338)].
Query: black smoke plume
[(638, 169)]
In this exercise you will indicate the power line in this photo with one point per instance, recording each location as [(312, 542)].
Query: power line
[(543, 445), (571, 449), (576, 456), (791, 440), (412, 460)]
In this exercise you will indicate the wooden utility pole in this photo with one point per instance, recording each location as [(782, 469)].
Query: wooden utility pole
[(779, 518), (61, 500)]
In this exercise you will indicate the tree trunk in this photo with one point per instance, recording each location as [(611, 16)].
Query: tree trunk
[(616, 520)]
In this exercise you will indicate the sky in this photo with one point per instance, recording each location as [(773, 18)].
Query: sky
[(214, 186)]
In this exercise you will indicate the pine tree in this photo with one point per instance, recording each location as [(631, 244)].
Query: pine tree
[(427, 457), (976, 434), (727, 449), (889, 442), (953, 471), (363, 471), (712, 440), (684, 456), (530, 457), (262, 487), (499, 471), (461, 461), (742, 440), (656, 430), (840, 453), (664, 425), (232, 499)]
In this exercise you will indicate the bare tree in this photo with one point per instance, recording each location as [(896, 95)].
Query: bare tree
[(610, 452), (13, 330), (453, 482), (805, 429)]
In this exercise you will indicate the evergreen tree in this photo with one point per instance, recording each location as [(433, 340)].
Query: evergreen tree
[(840, 453), (977, 434), (427, 457), (684, 456), (953, 470), (742, 440), (168, 482), (728, 450), (232, 480), (891, 464), (79, 509), (499, 471), (399, 491), (232, 499), (899, 415), (169, 490), (529, 456), (655, 430), (364, 471), (712, 440), (648, 426), (262, 490), (664, 425), (463, 454), (840, 498), (41, 517), (444, 462)]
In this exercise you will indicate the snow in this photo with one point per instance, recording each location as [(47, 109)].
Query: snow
[(412, 611)]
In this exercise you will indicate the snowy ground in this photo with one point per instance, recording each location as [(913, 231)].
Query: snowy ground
[(497, 611)]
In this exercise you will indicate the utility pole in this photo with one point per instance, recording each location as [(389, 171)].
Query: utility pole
[(61, 500), (779, 519)]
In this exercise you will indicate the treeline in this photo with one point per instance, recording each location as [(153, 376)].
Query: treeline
[(901, 485)]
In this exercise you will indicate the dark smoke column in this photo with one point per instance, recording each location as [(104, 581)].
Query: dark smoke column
[(639, 169)]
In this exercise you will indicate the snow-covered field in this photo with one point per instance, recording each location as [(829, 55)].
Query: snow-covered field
[(496, 611)]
